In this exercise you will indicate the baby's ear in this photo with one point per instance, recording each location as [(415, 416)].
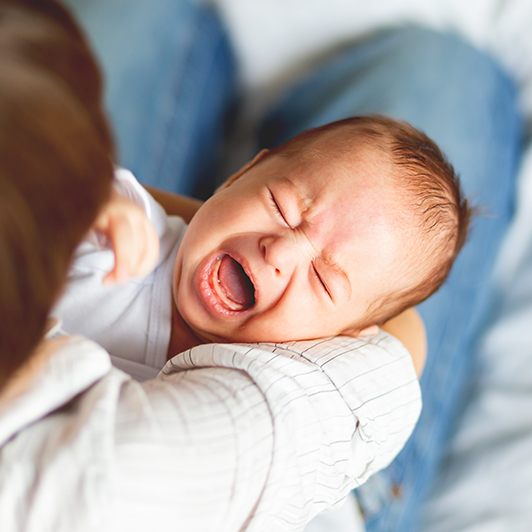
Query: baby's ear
[(371, 330), (231, 179)]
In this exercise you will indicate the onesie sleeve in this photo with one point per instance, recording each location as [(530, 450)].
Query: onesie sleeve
[(263, 437)]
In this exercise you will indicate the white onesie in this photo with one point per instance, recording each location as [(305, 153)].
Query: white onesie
[(131, 320)]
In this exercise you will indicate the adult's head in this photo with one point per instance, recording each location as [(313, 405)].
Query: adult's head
[(56, 166), (343, 227)]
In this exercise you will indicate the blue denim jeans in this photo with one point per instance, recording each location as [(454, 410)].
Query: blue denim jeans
[(171, 80)]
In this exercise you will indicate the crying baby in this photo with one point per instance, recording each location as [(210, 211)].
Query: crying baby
[(334, 232)]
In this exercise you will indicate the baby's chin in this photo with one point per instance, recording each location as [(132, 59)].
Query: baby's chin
[(202, 334), (243, 334), (222, 335), (218, 336)]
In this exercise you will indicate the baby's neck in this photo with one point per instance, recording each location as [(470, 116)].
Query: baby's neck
[(182, 336)]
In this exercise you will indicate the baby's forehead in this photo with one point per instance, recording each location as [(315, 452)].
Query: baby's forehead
[(362, 190), (337, 168)]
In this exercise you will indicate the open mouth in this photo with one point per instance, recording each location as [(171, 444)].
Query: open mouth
[(231, 284), (226, 286)]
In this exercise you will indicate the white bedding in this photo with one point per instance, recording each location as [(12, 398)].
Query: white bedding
[(491, 490)]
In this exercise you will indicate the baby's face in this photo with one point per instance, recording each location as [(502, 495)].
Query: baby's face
[(294, 249)]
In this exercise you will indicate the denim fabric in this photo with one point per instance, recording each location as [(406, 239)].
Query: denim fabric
[(468, 105), (170, 79)]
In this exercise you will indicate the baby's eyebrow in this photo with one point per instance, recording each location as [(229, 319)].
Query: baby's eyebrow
[(331, 263), (304, 201)]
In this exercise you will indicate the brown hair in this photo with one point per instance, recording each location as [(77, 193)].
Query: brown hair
[(56, 167), (433, 187)]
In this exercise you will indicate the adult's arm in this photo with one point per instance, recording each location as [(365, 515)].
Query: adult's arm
[(228, 437), (408, 327), (260, 437)]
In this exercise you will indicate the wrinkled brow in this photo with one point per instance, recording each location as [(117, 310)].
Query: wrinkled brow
[(306, 204)]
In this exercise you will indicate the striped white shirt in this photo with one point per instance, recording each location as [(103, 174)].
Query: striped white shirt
[(227, 438)]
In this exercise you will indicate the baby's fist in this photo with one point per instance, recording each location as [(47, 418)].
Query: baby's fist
[(132, 237)]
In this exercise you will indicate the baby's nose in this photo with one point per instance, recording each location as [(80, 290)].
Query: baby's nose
[(282, 252)]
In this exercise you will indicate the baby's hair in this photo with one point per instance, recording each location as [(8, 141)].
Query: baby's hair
[(56, 171), (424, 173)]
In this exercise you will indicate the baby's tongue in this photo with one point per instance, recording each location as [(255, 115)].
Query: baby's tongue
[(235, 283)]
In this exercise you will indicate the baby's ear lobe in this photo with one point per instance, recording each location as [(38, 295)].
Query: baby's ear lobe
[(231, 179)]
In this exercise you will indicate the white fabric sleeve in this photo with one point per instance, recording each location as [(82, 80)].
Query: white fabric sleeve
[(227, 438), (260, 437)]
